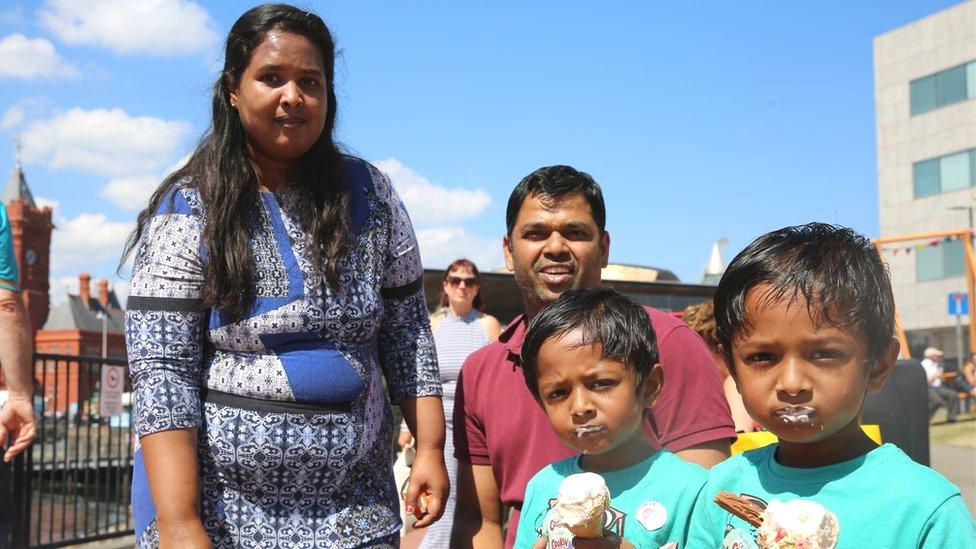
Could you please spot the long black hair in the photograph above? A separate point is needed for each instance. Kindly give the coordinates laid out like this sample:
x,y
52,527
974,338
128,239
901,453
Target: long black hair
x,y
221,171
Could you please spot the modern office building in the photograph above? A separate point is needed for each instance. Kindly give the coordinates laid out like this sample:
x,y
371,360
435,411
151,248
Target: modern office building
x,y
925,100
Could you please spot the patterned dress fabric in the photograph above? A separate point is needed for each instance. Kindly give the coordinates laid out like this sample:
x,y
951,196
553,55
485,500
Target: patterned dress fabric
x,y
456,338
294,423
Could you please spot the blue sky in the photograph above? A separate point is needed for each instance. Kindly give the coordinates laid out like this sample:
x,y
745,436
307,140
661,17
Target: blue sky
x,y
719,119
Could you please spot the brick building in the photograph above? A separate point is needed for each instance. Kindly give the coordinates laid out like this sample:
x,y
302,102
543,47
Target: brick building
x,y
86,324
31,228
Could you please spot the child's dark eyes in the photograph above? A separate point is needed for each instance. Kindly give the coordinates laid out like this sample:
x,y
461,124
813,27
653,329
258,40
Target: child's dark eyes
x,y
556,395
761,358
828,356
603,384
269,78
820,356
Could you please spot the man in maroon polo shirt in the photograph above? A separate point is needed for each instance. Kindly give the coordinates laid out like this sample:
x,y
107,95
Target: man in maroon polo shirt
x,y
556,241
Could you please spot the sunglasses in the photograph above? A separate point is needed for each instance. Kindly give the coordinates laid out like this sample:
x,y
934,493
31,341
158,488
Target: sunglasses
x,y
456,281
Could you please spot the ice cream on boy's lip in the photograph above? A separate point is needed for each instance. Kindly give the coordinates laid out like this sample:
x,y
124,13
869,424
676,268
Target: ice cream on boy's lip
x,y
795,414
586,430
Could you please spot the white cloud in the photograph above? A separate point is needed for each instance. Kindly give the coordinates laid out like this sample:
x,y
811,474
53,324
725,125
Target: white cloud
x,y
102,141
130,193
27,58
86,240
61,287
12,117
431,204
155,27
440,246
43,201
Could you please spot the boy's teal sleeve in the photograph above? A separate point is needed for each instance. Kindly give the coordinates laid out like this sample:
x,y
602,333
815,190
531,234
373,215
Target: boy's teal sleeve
x,y
701,532
9,278
526,534
951,525
685,529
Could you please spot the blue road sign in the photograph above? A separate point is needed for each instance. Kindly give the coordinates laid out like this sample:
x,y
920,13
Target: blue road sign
x,y
958,303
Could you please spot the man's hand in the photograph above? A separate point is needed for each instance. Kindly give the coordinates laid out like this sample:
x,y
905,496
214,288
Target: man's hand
x,y
17,420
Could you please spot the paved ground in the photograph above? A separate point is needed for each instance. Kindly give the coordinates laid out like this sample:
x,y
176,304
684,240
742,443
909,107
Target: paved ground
x,y
958,464
126,542
953,453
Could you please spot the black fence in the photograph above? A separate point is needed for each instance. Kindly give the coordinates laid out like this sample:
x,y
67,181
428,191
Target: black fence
x,y
72,485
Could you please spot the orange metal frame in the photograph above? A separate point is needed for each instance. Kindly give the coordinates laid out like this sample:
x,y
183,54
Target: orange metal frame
x,y
966,236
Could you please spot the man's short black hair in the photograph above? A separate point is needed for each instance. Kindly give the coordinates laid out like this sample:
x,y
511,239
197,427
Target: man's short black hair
x,y
604,317
554,183
835,270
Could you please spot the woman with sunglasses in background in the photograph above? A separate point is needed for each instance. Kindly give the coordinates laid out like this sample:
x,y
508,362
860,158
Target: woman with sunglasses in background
x,y
460,328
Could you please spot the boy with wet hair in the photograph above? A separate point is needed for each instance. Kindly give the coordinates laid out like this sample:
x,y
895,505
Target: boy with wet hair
x,y
590,359
805,321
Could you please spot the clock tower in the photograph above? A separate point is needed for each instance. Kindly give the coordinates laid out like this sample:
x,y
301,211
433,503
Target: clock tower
x,y
31,227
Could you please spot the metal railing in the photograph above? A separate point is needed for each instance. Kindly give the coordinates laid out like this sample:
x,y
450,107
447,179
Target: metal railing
x,y
72,485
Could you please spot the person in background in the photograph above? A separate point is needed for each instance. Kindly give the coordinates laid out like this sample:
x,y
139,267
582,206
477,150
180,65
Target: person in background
x,y
556,240
459,328
17,412
276,284
701,319
965,379
939,394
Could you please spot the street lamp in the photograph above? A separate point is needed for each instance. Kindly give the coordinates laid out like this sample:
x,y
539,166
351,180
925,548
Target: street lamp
x,y
959,344
104,317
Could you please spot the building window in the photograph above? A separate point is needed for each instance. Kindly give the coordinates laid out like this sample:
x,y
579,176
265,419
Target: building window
x,y
947,260
946,173
943,88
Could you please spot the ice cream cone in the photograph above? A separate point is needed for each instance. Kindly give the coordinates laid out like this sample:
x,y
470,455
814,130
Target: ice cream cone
x,y
582,503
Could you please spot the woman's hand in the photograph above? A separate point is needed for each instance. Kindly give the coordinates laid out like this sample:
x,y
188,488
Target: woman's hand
x,y
187,534
427,487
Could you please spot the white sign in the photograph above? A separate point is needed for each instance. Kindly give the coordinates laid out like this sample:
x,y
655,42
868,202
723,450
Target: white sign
x,y
110,396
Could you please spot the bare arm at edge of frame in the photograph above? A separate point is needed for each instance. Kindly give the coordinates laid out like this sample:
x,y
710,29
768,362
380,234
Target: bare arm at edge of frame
x,y
16,350
478,514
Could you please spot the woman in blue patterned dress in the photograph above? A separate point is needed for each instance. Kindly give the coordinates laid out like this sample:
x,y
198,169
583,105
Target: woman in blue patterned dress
x,y
276,284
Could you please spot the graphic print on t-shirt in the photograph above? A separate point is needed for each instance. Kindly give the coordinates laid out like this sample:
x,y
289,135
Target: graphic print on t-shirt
x,y
741,537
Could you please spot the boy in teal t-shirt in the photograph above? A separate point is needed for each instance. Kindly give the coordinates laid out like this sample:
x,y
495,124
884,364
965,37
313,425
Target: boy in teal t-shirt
x,y
805,317
591,361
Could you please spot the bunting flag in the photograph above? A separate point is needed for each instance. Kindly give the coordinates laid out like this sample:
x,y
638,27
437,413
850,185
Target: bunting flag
x,y
909,248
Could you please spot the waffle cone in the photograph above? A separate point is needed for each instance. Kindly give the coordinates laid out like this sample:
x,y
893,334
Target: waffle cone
x,y
592,528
